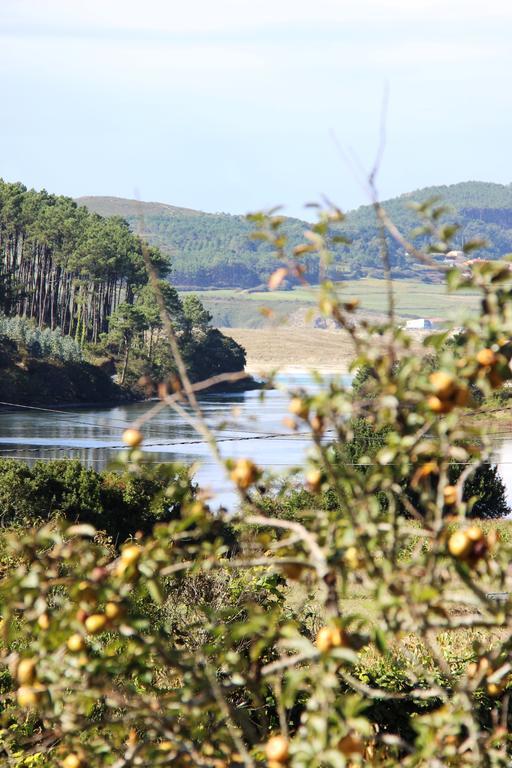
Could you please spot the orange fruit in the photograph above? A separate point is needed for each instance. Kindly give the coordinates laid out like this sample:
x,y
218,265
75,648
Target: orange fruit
x,y
132,437
439,406
459,544
443,384
330,637
485,357
299,407
244,473
450,495
277,749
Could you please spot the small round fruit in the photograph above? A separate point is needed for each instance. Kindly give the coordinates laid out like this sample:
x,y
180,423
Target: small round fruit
x,y
131,554
439,406
96,623
353,559
474,533
113,611
314,480
277,749
450,495
244,473
29,696
299,407
26,672
459,544
330,637
351,744
495,689
43,622
75,643
132,437
485,357
73,761
443,384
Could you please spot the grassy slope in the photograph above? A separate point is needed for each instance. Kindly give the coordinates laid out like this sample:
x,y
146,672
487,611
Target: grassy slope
x,y
240,309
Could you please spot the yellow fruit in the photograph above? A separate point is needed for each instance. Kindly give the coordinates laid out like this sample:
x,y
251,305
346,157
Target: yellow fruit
x,y
166,746
113,611
244,474
459,544
44,621
29,696
330,637
73,761
443,384
439,406
299,407
450,495
26,672
132,437
494,689
277,749
75,643
351,744
474,533
131,554
314,479
96,623
485,357
353,559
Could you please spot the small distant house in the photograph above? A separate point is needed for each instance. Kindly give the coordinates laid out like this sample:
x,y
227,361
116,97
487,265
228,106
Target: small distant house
x,y
419,323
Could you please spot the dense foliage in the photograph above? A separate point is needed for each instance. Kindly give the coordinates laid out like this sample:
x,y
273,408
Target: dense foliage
x,y
375,629
63,266
217,250
117,502
46,343
69,277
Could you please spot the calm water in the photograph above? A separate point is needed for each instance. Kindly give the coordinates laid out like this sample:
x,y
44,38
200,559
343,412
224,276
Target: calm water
x,y
245,424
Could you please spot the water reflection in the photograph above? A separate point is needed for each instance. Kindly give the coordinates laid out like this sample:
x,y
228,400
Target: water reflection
x,y
247,424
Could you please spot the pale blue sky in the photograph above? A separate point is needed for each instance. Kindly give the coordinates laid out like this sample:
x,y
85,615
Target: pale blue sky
x,y
231,105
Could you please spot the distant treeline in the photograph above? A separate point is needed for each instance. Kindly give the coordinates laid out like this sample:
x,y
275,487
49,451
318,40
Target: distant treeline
x,y
64,266
216,250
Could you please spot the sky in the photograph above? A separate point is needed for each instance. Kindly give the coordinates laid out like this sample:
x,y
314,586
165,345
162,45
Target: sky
x,y
239,105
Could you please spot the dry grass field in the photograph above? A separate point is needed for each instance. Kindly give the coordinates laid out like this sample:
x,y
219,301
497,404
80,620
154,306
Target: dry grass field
x,y
293,349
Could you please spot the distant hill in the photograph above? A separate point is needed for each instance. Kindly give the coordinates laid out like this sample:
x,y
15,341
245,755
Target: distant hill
x,y
215,249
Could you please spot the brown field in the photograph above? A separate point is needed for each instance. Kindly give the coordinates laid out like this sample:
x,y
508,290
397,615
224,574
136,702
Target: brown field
x,y
294,349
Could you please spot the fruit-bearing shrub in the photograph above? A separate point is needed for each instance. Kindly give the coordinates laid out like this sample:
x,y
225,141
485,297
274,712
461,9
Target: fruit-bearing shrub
x,y
355,615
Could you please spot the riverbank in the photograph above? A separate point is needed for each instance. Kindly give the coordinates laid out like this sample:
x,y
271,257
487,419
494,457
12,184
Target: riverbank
x,y
294,350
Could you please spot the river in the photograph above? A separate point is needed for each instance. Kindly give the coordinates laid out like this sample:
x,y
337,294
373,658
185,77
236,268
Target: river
x,y
246,424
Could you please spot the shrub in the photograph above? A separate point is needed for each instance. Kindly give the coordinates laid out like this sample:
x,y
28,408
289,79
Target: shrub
x,y
342,632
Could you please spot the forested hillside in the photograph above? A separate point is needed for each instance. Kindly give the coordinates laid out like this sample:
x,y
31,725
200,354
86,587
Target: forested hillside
x,y
216,250
74,287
